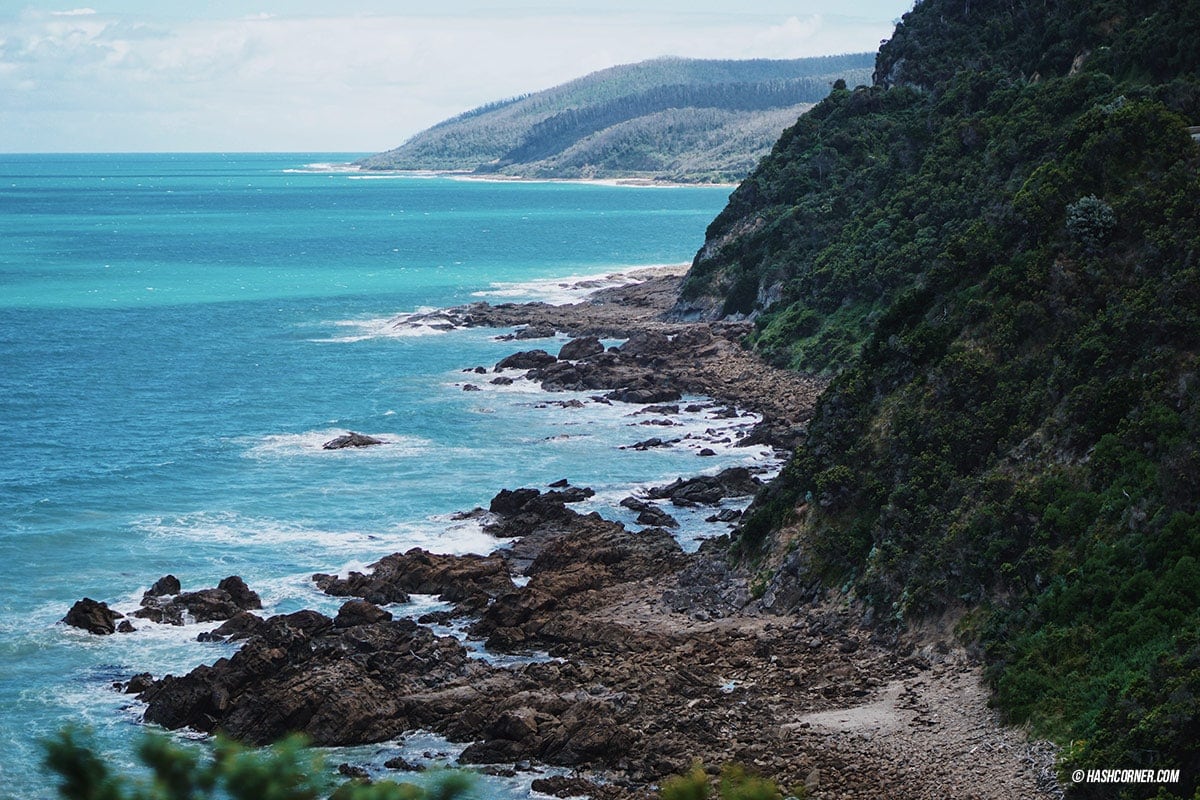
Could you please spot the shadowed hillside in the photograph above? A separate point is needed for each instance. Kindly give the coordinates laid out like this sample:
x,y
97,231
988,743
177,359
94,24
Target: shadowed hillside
x,y
993,250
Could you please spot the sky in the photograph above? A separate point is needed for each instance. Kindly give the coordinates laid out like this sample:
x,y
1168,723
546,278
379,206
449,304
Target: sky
x,y
353,75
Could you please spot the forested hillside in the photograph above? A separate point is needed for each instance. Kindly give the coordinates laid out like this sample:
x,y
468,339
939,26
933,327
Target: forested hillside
x,y
995,252
671,119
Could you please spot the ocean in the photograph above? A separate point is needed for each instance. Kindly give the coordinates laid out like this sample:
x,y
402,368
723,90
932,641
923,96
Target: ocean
x,y
180,333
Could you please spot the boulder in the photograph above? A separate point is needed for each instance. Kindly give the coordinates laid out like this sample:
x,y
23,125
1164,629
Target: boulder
x,y
509,502
708,489
655,516
644,395
230,597
240,626
646,344
472,579
360,612
167,584
93,617
582,347
535,332
527,359
240,593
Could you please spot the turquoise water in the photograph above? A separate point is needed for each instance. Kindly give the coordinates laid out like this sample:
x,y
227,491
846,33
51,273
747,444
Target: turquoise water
x,y
178,336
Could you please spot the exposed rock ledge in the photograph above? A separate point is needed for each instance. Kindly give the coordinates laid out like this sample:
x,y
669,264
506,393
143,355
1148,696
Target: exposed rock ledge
x,y
663,664
666,657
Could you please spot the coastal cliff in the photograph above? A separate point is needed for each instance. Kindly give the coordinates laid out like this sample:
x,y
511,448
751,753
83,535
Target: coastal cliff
x,y
991,251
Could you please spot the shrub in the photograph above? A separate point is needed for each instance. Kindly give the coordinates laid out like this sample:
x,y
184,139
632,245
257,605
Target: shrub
x,y
1090,220
287,770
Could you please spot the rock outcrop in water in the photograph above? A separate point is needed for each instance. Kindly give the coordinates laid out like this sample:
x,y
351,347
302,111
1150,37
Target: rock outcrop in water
x,y
365,677
230,597
93,617
351,439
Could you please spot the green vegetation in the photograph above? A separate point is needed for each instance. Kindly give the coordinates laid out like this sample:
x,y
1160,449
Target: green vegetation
x,y
995,251
671,118
286,771
735,784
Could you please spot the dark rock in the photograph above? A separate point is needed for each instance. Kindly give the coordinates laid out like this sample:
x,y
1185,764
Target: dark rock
x,y
571,494
535,332
518,725
125,626
636,504
229,598
660,394
564,786
437,617
480,370
725,515
528,359
164,613
652,515
561,483
708,489
240,593
239,626
659,410
354,773
468,578
510,502
360,612
93,617
580,348
403,765
301,674
208,605
707,451
139,683
470,387
167,584
502,380
561,376
643,344
351,439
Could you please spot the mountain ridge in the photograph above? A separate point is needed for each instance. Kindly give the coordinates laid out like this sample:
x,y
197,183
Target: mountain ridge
x,y
668,119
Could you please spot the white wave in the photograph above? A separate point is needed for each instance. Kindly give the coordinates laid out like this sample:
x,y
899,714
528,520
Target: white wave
x,y
572,288
379,329
323,167
395,176
311,443
425,321
228,528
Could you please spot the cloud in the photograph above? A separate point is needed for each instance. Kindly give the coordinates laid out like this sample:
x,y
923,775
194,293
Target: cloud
x,y
74,12
356,82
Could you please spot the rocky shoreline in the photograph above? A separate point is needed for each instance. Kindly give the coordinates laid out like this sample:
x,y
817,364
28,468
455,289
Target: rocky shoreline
x,y
655,657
